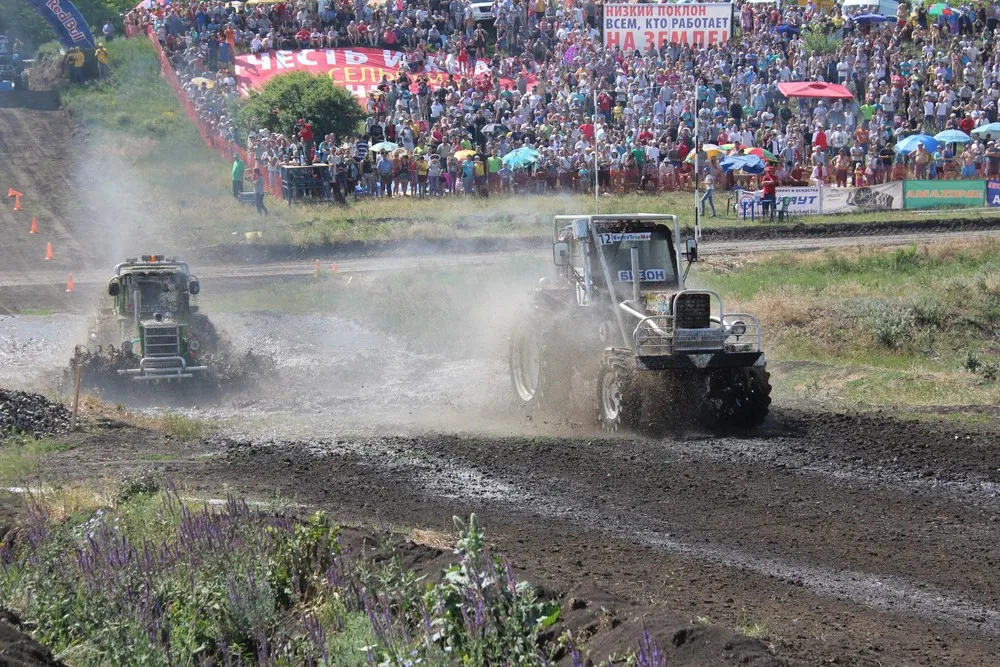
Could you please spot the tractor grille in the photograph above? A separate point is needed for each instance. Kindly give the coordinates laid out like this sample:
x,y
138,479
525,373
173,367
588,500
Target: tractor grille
x,y
693,311
161,340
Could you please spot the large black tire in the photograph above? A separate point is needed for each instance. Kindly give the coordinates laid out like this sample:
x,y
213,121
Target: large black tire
x,y
733,399
539,369
204,331
619,401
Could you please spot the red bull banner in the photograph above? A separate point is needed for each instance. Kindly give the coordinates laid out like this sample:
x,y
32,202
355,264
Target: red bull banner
x,y
635,27
360,70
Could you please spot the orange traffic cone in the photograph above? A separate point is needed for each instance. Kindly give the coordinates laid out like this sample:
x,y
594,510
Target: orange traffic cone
x,y
69,283
48,252
333,268
316,269
34,225
11,192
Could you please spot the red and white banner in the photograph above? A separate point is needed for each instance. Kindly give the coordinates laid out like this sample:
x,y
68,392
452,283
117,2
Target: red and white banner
x,y
360,70
635,27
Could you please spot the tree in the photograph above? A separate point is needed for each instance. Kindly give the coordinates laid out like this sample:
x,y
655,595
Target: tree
x,y
287,97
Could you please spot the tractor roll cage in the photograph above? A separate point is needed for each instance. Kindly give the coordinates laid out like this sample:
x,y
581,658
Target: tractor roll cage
x,y
158,267
582,227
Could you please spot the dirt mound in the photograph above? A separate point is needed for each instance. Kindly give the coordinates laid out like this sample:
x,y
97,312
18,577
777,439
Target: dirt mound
x,y
33,414
18,649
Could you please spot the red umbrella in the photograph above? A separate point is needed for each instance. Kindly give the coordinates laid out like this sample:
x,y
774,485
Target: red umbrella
x,y
762,154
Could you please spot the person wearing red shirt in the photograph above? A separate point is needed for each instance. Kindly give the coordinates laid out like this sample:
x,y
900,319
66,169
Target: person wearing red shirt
x,y
819,138
770,186
966,124
302,37
306,135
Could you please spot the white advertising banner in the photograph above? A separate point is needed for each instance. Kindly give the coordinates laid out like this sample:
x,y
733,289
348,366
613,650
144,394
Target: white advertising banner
x,y
884,197
635,27
801,201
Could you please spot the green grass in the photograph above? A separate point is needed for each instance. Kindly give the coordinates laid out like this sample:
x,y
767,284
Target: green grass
x,y
36,312
184,428
21,457
754,628
877,327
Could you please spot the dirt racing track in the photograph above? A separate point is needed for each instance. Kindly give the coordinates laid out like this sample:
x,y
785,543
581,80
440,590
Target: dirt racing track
x,y
837,538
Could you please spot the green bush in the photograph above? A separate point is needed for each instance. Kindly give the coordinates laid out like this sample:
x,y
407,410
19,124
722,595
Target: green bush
x,y
286,98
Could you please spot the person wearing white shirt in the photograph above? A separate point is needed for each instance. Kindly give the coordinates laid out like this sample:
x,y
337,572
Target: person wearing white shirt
x,y
652,152
838,138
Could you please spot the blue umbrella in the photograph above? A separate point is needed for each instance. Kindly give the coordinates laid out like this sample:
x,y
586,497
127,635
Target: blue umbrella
x,y
750,164
521,157
986,131
870,18
910,143
785,29
953,137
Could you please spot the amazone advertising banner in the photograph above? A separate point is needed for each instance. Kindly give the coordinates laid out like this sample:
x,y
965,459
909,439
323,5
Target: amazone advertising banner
x,y
993,193
871,198
930,194
635,27
359,70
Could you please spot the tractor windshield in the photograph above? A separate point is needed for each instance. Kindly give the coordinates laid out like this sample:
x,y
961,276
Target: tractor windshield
x,y
156,294
657,262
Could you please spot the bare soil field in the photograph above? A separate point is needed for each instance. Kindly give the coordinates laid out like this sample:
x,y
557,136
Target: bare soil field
x,y
835,538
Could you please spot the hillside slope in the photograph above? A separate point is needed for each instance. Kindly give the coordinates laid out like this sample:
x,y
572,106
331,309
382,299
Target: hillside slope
x,y
39,156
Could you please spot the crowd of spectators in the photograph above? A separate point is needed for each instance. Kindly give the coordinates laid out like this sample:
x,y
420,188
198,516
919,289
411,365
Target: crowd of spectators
x,y
570,97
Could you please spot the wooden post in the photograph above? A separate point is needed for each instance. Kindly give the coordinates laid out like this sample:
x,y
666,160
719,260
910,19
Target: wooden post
x,y
76,397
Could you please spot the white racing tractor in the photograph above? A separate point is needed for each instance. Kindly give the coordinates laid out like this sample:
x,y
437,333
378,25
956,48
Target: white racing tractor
x,y
619,318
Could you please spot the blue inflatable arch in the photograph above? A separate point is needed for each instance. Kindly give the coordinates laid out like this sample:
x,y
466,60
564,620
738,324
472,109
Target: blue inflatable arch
x,y
67,21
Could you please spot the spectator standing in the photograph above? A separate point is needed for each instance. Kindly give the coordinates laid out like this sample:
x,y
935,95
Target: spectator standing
x,y
306,135
709,182
76,59
258,191
103,69
770,186
238,169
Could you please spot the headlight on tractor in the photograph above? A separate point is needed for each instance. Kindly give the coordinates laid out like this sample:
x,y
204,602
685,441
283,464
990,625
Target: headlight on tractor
x,y
738,328
127,346
194,345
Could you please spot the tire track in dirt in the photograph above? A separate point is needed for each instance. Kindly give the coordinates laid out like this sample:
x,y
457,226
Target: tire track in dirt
x,y
905,569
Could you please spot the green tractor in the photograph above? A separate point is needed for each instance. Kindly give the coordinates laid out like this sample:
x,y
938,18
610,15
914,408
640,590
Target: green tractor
x,y
161,334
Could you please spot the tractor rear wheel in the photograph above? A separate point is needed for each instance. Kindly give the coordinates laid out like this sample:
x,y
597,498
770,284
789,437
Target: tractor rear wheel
x,y
619,400
738,398
539,372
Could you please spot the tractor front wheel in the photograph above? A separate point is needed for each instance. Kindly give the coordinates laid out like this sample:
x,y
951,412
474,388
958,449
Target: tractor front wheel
x,y
729,399
619,402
